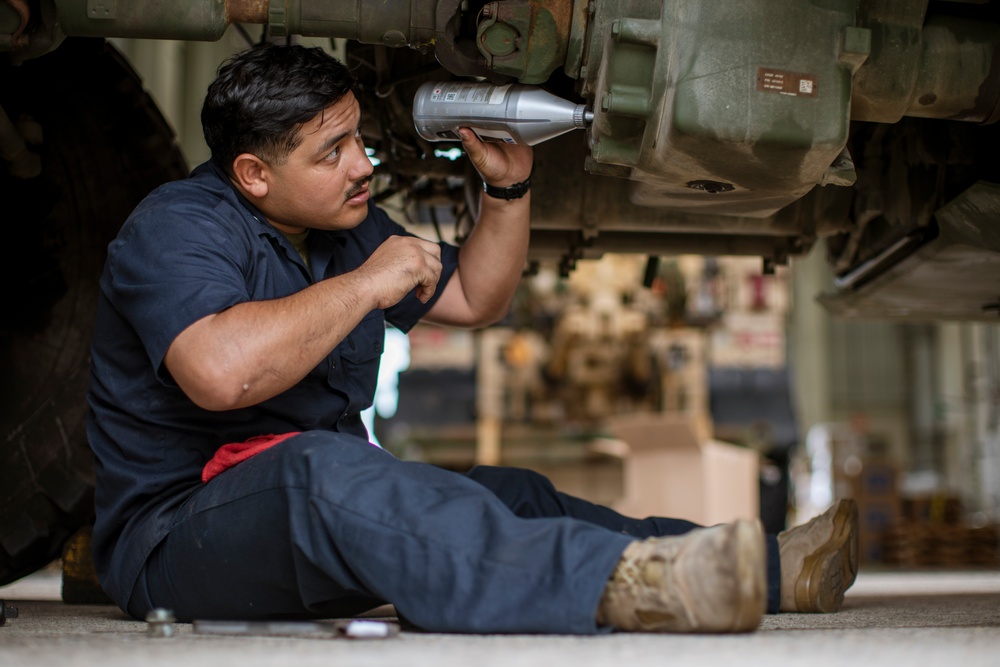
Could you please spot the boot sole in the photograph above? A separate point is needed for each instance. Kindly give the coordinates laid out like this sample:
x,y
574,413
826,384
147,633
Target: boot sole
x,y
751,557
829,571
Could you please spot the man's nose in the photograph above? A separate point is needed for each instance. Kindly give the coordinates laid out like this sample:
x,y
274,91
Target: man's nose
x,y
363,167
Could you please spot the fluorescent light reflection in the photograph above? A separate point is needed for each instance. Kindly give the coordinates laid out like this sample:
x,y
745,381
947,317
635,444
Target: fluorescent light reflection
x,y
452,153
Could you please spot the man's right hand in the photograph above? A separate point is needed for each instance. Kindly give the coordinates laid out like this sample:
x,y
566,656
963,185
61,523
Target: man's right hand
x,y
401,264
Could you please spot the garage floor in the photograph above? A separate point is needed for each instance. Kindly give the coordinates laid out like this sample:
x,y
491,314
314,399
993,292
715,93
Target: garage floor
x,y
890,619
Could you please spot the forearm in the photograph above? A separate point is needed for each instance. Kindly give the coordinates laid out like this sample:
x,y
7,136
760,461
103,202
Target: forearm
x,y
492,259
253,351
256,350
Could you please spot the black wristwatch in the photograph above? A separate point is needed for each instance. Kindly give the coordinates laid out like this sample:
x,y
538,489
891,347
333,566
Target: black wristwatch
x,y
510,192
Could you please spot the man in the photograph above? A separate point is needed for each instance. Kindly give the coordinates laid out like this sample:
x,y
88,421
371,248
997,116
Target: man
x,y
241,320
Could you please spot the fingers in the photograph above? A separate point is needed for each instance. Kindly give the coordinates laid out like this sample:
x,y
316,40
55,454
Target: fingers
x,y
427,285
474,148
424,293
498,163
402,264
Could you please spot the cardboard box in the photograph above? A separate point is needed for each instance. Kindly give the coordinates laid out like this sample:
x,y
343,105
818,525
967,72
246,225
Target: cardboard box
x,y
673,469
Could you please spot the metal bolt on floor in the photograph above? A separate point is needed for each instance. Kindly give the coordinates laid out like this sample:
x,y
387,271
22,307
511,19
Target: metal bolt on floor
x,y
160,623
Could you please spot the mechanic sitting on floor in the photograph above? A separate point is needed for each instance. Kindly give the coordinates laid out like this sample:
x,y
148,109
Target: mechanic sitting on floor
x,y
241,319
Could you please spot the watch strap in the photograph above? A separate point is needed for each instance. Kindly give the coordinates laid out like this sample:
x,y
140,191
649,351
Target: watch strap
x,y
510,192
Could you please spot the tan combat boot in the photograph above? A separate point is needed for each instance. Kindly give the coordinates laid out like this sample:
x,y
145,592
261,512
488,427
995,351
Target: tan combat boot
x,y
819,560
708,580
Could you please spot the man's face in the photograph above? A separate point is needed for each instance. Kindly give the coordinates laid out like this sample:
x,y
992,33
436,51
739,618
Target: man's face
x,y
323,183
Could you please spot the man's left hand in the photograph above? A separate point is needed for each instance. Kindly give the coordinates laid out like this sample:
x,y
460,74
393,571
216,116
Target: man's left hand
x,y
500,164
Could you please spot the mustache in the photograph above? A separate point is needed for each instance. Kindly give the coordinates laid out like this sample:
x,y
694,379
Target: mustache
x,y
358,187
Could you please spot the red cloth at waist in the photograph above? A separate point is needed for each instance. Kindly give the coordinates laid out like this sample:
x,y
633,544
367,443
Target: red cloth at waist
x,y
229,455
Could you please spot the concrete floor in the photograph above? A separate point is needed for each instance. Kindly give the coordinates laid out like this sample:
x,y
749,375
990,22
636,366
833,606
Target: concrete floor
x,y
890,619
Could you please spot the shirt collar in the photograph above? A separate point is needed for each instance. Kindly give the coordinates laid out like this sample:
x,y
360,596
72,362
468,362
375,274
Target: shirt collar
x,y
211,166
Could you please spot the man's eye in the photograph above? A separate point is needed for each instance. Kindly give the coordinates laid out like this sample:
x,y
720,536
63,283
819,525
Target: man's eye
x,y
334,154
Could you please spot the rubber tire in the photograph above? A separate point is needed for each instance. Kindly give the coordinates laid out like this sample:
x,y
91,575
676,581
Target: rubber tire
x,y
104,146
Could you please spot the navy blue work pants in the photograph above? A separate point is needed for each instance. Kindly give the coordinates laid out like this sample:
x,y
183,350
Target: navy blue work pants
x,y
327,525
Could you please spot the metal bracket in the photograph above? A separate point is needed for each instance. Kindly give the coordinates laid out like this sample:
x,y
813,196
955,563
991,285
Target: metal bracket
x,y
276,18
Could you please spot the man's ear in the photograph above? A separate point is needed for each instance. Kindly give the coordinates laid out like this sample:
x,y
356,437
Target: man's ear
x,y
250,173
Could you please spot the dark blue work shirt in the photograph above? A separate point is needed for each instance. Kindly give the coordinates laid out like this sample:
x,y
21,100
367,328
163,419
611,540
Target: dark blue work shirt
x,y
190,249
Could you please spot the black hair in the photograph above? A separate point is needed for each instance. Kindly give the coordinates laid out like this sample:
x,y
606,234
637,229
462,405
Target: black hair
x,y
262,96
